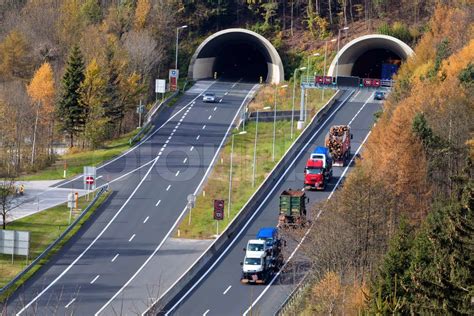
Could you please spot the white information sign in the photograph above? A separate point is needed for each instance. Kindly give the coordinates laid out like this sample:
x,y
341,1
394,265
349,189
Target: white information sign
x,y
160,86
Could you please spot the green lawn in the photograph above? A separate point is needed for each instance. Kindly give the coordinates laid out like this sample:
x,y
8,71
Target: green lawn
x,y
75,161
44,228
217,187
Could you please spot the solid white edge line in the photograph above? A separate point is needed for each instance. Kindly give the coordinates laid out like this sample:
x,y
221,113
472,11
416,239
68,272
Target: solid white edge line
x,y
309,229
253,215
142,141
69,267
224,138
70,302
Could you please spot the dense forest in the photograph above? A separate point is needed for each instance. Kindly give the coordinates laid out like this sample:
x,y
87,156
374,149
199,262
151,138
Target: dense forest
x,y
400,230
398,238
73,71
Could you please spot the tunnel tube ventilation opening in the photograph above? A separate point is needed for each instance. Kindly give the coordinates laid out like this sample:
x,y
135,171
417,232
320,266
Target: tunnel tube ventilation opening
x,y
369,64
240,60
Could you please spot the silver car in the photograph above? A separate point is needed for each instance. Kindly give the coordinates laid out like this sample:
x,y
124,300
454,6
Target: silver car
x,y
209,97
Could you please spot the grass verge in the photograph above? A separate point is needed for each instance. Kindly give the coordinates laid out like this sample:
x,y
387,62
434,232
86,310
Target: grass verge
x,y
44,228
76,161
217,186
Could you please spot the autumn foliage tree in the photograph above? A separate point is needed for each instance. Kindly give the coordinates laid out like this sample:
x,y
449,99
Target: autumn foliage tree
x,y
41,91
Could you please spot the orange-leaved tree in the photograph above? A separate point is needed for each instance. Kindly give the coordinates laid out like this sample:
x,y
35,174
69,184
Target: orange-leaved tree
x,y
41,91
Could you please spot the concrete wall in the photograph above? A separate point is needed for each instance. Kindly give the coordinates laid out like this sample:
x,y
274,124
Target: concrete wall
x,y
200,67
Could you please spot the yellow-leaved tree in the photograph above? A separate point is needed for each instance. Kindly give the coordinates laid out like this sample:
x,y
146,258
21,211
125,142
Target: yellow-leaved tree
x,y
141,14
41,91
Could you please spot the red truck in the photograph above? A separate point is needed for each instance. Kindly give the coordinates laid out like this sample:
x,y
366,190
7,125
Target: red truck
x,y
338,140
315,175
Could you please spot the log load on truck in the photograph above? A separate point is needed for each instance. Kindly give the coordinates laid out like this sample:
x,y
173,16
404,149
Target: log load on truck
x,y
292,208
263,257
338,140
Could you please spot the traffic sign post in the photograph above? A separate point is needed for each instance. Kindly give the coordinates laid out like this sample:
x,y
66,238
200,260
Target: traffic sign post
x,y
173,79
218,213
89,179
191,201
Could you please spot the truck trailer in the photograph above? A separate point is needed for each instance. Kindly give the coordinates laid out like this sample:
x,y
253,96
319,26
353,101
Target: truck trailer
x,y
292,208
338,141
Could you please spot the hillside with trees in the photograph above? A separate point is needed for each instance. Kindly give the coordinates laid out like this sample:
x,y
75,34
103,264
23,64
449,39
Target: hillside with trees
x,y
73,71
401,230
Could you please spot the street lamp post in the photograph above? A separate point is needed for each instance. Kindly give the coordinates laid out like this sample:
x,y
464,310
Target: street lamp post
x,y
274,120
337,55
177,42
325,58
230,172
254,165
293,101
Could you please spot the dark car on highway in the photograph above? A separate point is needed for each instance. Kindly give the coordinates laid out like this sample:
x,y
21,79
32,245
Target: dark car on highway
x,y
379,95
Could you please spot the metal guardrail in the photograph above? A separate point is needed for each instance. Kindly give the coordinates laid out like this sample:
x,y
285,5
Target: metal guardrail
x,y
295,295
54,243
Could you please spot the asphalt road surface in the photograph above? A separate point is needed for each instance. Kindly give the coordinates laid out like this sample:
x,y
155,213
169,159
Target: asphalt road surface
x,y
150,184
219,291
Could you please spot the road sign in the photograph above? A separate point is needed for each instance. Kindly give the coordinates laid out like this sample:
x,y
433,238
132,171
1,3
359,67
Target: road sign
x,y
160,86
90,180
191,199
218,210
173,78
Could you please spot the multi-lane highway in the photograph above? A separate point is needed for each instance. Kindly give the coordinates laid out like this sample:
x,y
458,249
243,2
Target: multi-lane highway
x,y
150,183
218,290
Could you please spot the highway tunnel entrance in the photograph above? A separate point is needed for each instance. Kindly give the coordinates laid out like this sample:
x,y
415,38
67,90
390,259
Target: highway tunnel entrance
x,y
235,54
371,56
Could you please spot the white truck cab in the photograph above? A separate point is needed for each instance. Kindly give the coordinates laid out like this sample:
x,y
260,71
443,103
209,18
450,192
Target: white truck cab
x,y
254,264
255,248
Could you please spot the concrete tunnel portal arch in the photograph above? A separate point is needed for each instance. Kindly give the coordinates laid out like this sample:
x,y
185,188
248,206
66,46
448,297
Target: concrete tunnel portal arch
x,y
363,57
237,54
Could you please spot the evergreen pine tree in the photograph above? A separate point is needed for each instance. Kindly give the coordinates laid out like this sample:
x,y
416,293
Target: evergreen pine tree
x,y
71,114
114,112
390,289
443,259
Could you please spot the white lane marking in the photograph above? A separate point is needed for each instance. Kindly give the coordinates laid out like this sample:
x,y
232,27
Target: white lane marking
x,y
140,143
228,92
173,227
191,149
167,141
220,101
70,302
257,211
98,177
205,313
355,96
197,137
69,267
172,134
162,148
182,118
210,116
215,108
227,290
178,124
309,229
131,238
95,279
168,188
114,258
177,173
158,203
185,159
204,126
363,106
146,219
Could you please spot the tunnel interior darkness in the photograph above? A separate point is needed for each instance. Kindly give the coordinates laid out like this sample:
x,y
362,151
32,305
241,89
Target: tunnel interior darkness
x,y
240,60
237,55
369,64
